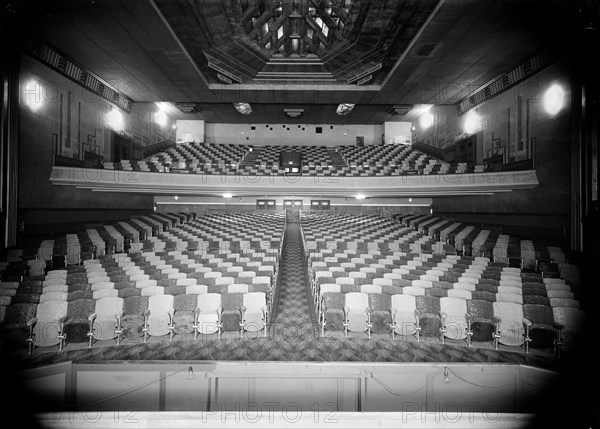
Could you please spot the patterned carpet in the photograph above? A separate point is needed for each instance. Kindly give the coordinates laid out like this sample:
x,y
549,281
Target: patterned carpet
x,y
293,335
292,315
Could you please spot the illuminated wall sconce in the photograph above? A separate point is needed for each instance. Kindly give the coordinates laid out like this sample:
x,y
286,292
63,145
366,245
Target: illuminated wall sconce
x,y
161,118
114,119
554,99
472,122
426,120
32,95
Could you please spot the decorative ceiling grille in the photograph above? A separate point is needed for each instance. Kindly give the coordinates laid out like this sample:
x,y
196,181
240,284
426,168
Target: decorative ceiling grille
x,y
298,27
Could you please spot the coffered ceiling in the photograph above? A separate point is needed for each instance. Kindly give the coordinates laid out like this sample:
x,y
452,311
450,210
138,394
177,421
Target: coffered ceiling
x,y
299,54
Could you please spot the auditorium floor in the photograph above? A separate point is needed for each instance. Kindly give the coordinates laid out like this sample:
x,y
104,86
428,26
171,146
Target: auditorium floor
x,y
293,335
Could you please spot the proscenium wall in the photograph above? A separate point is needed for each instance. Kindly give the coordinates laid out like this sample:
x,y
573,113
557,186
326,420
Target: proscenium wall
x,y
293,134
72,119
545,210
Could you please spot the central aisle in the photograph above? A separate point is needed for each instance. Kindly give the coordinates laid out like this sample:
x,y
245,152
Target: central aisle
x,y
293,314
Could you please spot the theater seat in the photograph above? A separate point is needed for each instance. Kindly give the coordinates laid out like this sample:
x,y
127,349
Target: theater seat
x,y
357,313
161,315
540,327
209,314
404,321
381,316
184,307
428,313
47,328
510,315
134,308
480,318
331,314
78,325
255,312
454,324
107,312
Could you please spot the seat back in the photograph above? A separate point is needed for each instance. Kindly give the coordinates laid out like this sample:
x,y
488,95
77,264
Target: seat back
x,y
196,289
47,326
403,312
357,301
413,290
460,293
209,302
161,311
376,289
108,308
237,288
481,310
77,325
185,302
357,307
329,287
255,301
572,318
333,300
454,310
511,322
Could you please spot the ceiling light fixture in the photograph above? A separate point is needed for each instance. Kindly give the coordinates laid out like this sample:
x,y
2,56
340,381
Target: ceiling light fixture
x,y
243,108
293,113
345,109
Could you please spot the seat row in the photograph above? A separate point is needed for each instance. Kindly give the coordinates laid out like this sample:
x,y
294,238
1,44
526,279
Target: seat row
x,y
229,269
502,248
355,161
452,318
107,239
86,320
393,264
